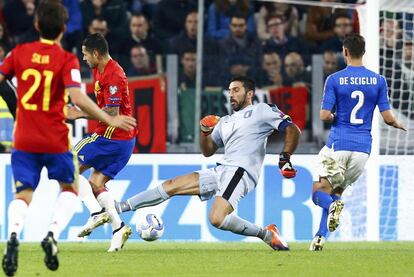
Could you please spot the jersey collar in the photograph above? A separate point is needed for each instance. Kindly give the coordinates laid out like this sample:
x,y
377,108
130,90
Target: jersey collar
x,y
47,41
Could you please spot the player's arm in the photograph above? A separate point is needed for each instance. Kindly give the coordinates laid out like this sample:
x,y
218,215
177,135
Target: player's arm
x,y
328,101
390,119
292,134
91,109
326,116
207,144
384,106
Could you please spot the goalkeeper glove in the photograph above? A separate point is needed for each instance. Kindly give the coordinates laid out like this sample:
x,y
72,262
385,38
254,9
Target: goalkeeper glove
x,y
286,168
207,124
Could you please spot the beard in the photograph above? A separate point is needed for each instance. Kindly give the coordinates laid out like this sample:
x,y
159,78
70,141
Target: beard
x,y
237,106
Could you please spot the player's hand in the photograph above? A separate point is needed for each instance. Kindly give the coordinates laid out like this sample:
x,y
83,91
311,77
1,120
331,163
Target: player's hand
x,y
398,125
123,122
74,113
207,124
286,168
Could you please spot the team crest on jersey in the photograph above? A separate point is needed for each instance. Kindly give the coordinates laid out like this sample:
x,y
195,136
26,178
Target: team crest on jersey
x,y
113,89
97,87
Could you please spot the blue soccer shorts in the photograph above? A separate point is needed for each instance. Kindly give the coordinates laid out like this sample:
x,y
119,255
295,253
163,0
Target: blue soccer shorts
x,y
105,155
27,166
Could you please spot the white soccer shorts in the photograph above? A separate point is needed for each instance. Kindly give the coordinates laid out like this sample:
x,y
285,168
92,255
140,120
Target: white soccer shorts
x,y
341,168
230,182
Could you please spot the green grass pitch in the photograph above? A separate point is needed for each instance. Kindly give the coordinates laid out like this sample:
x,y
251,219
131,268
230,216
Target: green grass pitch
x,y
222,259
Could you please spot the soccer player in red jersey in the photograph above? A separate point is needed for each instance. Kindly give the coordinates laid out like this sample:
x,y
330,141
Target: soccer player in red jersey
x,y
46,74
108,150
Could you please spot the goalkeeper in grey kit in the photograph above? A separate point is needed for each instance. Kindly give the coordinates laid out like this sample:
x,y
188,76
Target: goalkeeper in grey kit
x,y
244,136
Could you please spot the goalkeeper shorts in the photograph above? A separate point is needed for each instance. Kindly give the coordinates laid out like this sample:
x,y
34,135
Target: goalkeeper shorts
x,y
230,182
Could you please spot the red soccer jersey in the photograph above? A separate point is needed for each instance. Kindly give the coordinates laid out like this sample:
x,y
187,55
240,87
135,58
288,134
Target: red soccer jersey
x,y
111,89
43,71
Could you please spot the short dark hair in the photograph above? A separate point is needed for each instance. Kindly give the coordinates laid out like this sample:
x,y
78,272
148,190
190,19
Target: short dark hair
x,y
248,83
51,17
355,44
96,42
238,14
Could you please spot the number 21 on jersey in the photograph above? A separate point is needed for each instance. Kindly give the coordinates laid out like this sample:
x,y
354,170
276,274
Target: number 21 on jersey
x,y
37,79
360,95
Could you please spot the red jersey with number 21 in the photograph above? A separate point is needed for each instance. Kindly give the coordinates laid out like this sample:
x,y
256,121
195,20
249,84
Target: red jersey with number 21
x,y
43,71
111,90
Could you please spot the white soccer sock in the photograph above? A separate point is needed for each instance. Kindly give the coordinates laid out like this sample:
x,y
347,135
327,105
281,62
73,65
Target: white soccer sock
x,y
87,196
148,198
239,226
17,216
63,212
106,200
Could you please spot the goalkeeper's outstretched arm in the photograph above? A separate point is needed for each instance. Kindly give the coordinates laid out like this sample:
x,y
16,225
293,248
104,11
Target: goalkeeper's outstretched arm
x,y
390,119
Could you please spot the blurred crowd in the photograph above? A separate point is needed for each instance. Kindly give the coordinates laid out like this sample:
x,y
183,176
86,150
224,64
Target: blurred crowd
x,y
272,42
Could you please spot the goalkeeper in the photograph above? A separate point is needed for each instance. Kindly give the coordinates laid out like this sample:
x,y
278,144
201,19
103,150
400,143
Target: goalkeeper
x,y
354,92
243,135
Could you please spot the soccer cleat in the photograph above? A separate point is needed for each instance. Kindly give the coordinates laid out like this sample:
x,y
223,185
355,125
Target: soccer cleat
x,y
50,248
335,210
317,243
276,241
94,222
9,262
119,237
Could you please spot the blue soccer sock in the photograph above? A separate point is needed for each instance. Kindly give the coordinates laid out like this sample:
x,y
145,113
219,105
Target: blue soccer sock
x,y
323,228
322,199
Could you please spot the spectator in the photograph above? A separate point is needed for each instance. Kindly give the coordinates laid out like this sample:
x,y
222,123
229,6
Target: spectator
x,y
271,73
187,76
140,34
319,24
295,74
4,38
279,41
170,16
73,35
3,52
113,12
289,12
187,39
330,63
342,27
220,13
240,44
237,66
140,62
18,15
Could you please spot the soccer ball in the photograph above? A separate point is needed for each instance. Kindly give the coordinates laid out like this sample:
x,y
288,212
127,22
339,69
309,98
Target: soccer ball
x,y
150,228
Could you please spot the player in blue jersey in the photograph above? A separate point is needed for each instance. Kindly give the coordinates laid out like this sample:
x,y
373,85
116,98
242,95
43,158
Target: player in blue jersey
x,y
354,93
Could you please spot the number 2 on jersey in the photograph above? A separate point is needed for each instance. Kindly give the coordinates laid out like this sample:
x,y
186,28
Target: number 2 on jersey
x,y
360,95
30,72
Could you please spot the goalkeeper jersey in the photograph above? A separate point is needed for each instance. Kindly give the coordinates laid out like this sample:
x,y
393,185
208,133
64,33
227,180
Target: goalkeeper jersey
x,y
244,136
354,92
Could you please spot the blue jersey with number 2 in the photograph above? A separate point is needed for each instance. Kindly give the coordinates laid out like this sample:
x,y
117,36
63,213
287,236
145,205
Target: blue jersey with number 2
x,y
354,92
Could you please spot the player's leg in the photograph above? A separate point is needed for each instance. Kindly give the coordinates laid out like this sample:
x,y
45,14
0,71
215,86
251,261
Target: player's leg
x,y
63,168
234,185
183,185
26,171
91,152
321,196
98,215
16,218
120,231
331,174
354,164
